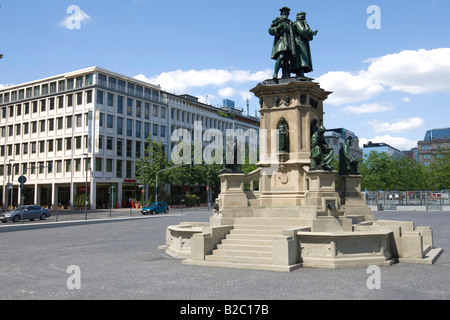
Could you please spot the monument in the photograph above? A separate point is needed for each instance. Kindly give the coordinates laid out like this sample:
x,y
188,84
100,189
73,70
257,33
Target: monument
x,y
297,217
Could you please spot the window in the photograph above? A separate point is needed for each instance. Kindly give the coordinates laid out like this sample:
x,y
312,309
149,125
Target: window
x,y
109,143
49,166
98,164
41,146
129,148
78,121
119,147
129,127
155,111
147,111
58,165
59,144
69,100
68,164
163,112
59,123
118,168
78,142
79,98
34,127
109,121
77,165
51,125
129,165
33,147
100,97
109,165
119,104
138,149
110,99
138,108
129,107
155,130
119,125
138,129
89,96
69,122
163,131
50,145
68,143
25,148
42,125
70,84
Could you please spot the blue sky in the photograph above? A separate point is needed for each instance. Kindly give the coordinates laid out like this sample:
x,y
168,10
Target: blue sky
x,y
389,84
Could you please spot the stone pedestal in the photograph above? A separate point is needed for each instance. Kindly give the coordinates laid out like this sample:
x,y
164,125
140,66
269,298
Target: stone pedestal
x,y
351,197
296,104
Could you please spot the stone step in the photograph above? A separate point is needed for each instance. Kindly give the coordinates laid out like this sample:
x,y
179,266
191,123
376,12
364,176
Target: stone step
x,y
272,221
233,236
243,247
252,242
242,253
238,259
256,231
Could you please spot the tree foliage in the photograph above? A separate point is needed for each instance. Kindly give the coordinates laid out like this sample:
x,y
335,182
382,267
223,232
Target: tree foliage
x,y
383,172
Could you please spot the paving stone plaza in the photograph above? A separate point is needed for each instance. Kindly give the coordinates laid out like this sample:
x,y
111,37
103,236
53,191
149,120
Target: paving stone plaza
x,y
119,259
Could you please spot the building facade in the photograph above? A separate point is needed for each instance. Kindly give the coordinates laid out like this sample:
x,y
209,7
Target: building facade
x,y
434,140
381,147
336,137
79,134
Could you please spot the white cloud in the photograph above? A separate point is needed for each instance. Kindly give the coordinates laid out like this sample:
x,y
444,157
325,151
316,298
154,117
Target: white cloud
x,y
406,99
412,71
367,108
397,142
75,19
399,126
348,88
226,92
181,80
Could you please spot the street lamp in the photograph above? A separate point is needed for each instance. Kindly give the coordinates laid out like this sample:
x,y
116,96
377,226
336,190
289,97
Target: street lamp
x,y
85,185
1,56
12,182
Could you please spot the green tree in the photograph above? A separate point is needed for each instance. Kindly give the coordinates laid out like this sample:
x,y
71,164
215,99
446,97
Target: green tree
x,y
376,171
154,160
440,170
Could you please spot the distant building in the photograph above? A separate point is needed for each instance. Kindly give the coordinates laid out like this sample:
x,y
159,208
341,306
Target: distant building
x,y
381,147
336,137
412,154
433,140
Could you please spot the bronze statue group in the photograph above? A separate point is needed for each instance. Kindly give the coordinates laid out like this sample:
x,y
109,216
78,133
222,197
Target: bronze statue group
x,y
291,49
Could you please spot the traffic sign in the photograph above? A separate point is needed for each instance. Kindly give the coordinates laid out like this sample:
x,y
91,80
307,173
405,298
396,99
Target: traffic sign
x,y
22,179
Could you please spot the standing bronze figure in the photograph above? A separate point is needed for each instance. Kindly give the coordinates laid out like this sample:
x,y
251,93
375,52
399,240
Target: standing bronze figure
x,y
291,50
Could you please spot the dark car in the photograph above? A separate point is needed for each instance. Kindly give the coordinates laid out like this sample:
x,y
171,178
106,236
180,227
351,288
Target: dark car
x,y
155,207
25,213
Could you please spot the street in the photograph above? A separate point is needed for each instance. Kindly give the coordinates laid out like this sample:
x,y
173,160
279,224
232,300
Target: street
x,y
118,259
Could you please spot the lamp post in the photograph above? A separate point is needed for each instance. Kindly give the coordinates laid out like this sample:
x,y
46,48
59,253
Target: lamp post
x,y
85,185
10,186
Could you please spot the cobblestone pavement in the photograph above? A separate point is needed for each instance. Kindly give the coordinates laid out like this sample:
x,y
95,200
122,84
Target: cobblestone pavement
x,y
119,259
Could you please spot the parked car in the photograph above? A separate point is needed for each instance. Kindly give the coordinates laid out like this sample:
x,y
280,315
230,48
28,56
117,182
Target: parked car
x,y
25,213
155,207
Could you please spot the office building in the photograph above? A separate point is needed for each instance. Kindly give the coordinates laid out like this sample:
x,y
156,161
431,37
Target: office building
x,y
434,140
82,132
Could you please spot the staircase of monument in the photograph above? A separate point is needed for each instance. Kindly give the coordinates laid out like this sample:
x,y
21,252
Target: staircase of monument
x,y
250,242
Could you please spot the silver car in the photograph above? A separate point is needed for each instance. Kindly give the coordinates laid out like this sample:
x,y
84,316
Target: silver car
x,y
25,213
